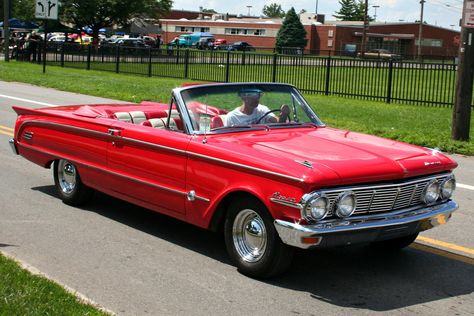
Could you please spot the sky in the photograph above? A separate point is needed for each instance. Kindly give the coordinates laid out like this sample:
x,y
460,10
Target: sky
x,y
445,13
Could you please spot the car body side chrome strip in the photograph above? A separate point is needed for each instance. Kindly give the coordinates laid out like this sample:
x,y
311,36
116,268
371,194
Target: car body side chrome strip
x,y
183,193
235,164
286,203
179,151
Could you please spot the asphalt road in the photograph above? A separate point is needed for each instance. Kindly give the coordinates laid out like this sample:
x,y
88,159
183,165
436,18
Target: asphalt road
x,y
136,262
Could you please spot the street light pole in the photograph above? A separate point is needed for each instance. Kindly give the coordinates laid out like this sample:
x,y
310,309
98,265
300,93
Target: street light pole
x,y
364,31
375,14
6,29
464,77
420,30
249,6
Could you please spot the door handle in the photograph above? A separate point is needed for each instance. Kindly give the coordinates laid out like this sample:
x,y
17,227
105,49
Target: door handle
x,y
114,132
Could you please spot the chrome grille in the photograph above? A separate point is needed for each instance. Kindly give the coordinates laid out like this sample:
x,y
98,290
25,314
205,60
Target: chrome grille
x,y
385,197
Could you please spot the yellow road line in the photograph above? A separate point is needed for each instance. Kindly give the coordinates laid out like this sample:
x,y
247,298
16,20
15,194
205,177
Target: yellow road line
x,y
443,253
6,128
447,245
6,133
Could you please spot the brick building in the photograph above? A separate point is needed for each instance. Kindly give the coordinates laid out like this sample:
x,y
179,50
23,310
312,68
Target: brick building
x,y
324,38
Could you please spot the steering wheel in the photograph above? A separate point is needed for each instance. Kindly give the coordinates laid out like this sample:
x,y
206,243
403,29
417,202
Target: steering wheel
x,y
266,114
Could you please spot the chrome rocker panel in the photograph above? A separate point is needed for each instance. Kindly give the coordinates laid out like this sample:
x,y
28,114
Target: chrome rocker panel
x,y
369,228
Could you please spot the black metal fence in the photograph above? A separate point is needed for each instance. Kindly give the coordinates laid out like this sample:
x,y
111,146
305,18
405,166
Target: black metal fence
x,y
427,84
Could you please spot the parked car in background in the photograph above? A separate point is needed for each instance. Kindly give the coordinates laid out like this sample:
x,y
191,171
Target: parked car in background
x,y
220,42
271,182
380,53
241,46
130,42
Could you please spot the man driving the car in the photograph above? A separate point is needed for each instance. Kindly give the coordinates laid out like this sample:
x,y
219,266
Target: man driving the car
x,y
252,112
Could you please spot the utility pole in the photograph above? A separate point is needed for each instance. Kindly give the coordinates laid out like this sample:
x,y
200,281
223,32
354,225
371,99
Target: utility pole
x,y
6,29
464,78
364,31
420,30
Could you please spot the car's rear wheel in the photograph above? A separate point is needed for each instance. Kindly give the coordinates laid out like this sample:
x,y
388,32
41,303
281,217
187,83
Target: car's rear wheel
x,y
395,244
252,241
68,183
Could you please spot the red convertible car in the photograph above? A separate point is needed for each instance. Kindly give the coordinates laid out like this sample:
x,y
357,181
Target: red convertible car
x,y
252,160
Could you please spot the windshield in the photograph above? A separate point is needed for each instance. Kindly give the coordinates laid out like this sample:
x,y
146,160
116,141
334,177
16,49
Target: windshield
x,y
230,107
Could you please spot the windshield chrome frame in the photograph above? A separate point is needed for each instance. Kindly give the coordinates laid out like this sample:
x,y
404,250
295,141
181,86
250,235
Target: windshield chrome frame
x,y
177,95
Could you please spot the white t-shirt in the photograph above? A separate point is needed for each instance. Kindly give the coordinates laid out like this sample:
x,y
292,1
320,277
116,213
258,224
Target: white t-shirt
x,y
236,117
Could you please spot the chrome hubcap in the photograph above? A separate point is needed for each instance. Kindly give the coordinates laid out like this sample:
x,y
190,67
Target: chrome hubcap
x,y
249,235
67,176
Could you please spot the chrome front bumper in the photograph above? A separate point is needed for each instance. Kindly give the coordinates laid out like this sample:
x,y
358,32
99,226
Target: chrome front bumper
x,y
362,229
13,146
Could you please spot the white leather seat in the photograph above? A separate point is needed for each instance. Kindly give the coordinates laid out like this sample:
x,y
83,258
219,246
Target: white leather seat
x,y
123,116
138,117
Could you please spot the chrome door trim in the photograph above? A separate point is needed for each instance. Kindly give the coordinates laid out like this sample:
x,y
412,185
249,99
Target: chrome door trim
x,y
179,151
235,164
183,193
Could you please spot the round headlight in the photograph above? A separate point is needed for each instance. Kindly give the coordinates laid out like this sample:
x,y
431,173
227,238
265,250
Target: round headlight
x,y
431,192
447,187
317,208
346,204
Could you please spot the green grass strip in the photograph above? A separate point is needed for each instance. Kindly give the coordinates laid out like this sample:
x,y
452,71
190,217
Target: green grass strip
x,y
424,126
22,293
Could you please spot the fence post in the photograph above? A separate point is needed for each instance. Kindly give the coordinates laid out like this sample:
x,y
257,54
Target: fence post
x,y
117,59
227,67
149,62
186,63
89,57
390,80
62,54
389,83
243,57
274,72
328,74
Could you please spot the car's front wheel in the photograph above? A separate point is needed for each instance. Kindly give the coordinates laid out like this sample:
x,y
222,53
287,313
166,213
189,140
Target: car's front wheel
x,y
68,183
252,241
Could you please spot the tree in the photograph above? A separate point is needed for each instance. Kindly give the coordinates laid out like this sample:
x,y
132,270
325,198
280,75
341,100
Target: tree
x,y
291,33
20,9
360,12
97,14
273,10
352,10
347,10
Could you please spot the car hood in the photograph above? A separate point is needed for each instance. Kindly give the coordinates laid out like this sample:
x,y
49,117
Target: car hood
x,y
328,156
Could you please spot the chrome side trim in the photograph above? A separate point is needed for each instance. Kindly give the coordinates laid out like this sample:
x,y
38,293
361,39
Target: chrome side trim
x,y
235,164
105,133
290,204
183,193
428,217
67,127
13,146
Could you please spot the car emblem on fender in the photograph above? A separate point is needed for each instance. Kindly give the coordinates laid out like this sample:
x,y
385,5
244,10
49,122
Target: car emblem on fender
x,y
305,163
427,163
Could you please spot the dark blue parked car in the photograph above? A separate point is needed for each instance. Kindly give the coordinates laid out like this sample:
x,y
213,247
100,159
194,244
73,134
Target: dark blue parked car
x,y
242,46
